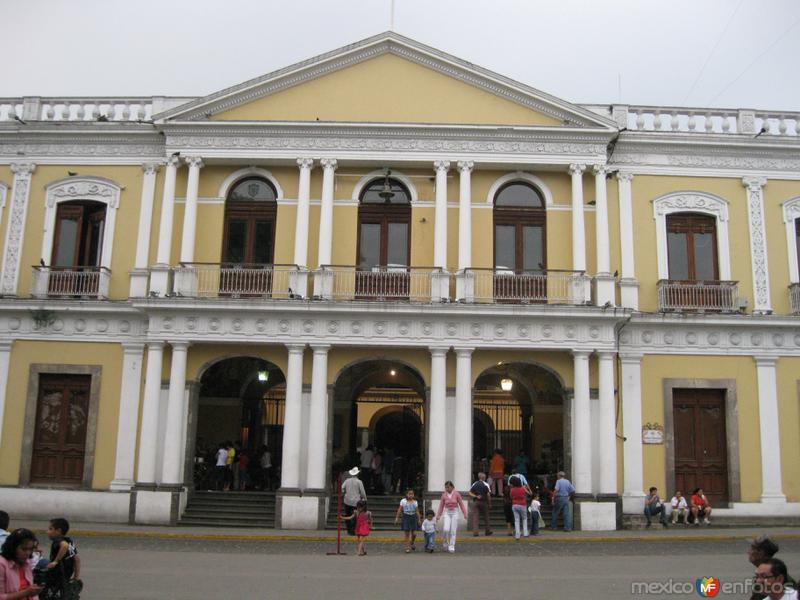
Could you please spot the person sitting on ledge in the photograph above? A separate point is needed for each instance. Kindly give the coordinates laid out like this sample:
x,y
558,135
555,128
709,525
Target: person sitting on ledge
x,y
701,509
679,508
653,506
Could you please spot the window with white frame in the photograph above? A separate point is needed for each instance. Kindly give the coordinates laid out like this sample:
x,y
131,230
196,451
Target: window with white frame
x,y
791,217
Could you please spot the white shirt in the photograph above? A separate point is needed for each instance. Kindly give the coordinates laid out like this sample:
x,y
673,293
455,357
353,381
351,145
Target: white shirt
x,y
266,460
676,504
429,526
222,457
790,595
366,459
535,506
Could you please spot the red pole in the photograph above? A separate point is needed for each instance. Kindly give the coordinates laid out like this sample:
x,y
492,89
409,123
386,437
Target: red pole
x,y
338,517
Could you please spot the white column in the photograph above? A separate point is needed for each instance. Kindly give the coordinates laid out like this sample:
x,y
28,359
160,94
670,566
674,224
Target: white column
x,y
318,420
139,274
629,287
173,433
632,464
440,215
292,420
581,433
578,229
15,231
326,211
5,359
769,424
148,434
128,420
159,273
604,280
301,224
462,443
606,426
195,163
758,243
465,214
437,426
167,210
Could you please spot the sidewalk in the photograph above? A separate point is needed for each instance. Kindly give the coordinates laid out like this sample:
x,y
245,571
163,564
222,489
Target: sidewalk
x,y
656,534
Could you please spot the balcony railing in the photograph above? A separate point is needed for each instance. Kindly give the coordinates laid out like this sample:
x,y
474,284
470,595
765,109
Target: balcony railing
x,y
794,298
77,109
70,282
412,284
551,286
717,296
229,280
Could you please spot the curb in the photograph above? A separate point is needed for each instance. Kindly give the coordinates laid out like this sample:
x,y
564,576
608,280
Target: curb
x,y
722,537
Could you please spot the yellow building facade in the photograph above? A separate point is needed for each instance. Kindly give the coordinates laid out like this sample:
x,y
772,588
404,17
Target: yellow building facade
x,y
388,246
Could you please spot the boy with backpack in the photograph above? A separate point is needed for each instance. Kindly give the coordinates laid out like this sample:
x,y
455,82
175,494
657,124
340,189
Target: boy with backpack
x,y
64,569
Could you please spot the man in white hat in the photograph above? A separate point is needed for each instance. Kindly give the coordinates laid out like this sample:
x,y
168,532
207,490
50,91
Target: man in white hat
x,y
354,492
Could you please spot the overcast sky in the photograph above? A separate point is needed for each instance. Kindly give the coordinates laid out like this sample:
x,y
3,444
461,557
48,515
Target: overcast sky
x,y
720,53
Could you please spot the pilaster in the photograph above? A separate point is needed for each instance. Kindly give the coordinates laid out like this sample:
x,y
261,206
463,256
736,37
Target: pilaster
x,y
128,420
758,243
15,232
140,274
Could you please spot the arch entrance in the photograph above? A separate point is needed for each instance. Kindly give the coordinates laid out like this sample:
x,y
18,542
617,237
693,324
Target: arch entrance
x,y
518,408
379,409
241,401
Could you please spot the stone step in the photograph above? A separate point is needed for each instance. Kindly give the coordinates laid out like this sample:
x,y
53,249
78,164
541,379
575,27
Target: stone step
x,y
230,509
223,523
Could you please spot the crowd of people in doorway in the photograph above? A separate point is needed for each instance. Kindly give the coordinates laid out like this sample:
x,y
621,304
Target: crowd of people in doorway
x,y
235,468
697,510
384,471
27,572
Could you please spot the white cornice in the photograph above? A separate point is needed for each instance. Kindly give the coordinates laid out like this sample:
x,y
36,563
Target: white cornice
x,y
387,43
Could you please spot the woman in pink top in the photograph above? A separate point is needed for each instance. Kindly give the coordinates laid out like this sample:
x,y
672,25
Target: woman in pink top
x,y
16,577
449,504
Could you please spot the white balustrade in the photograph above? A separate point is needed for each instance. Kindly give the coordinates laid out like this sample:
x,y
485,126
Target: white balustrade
x,y
718,296
528,287
794,297
76,109
711,121
70,282
214,280
412,284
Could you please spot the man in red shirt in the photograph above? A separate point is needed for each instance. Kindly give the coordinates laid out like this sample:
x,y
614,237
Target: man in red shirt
x,y
700,507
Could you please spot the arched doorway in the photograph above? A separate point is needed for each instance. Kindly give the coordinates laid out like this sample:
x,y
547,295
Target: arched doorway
x,y
241,400
519,408
379,405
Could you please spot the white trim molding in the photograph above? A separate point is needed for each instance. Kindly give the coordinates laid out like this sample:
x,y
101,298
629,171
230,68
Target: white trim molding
x,y
96,189
231,179
758,243
697,202
379,173
3,192
791,212
15,230
521,176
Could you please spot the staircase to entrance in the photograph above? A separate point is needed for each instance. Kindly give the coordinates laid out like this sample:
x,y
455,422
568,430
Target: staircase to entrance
x,y
230,509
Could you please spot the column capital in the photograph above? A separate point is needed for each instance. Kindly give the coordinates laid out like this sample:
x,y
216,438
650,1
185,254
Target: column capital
x,y
155,346
132,348
633,358
173,161
182,346
151,168
296,348
320,348
600,170
5,346
23,169
624,176
305,163
581,354
766,361
194,162
576,169
463,351
329,163
754,184
439,350
605,355
441,165
465,166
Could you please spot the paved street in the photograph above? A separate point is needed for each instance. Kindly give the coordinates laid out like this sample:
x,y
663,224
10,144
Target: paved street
x,y
153,567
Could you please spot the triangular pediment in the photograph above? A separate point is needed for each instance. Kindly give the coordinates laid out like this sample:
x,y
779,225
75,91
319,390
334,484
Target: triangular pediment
x,y
386,79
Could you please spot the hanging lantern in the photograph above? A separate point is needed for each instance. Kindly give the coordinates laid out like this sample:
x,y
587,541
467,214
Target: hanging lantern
x,y
506,384
386,193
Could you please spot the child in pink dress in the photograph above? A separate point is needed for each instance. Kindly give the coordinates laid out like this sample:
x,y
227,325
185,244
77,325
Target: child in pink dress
x,y
363,519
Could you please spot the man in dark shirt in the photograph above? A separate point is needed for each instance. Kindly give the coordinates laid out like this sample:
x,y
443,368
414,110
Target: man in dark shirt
x,y
480,492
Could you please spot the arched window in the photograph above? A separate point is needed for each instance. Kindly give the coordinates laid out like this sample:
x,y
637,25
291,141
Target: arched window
x,y
519,228
384,225
250,211
692,247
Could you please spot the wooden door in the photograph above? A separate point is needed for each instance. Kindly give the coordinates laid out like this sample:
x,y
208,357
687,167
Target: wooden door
x,y
59,443
701,447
